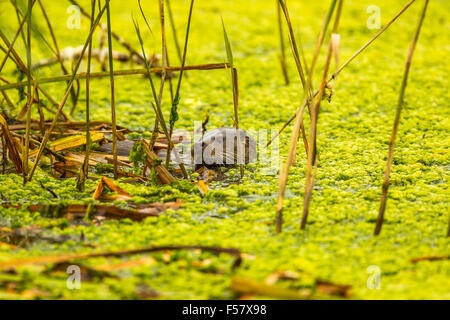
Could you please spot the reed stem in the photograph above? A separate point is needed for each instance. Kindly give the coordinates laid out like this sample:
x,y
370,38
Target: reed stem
x,y
282,45
85,167
401,102
18,61
156,105
117,73
29,97
5,58
312,158
113,98
284,172
118,38
346,63
293,43
61,105
57,52
176,100
174,30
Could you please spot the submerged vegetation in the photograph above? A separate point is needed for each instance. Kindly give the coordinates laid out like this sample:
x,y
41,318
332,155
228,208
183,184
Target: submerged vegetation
x,y
97,172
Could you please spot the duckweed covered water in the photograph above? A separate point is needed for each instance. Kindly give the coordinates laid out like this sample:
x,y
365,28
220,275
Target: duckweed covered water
x,y
353,136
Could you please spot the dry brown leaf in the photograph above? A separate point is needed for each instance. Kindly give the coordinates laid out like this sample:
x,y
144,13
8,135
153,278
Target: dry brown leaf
x,y
202,186
247,256
126,264
11,246
333,289
74,141
166,256
111,185
251,287
34,293
203,263
285,275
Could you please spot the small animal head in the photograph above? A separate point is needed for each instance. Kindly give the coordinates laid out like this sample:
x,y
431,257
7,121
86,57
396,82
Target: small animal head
x,y
224,147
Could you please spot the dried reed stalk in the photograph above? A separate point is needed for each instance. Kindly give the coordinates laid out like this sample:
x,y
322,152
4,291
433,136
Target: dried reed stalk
x,y
113,96
293,144
356,54
117,73
85,167
60,107
282,45
312,159
174,110
401,102
30,95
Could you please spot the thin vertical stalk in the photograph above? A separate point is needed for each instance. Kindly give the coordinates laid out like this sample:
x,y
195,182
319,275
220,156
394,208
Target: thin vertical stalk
x,y
111,82
299,120
4,156
176,99
34,29
118,38
234,84
156,105
155,133
57,52
174,30
61,105
30,96
354,56
85,167
282,46
2,64
14,3
18,61
312,159
163,50
448,230
296,55
293,43
41,113
163,66
401,102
